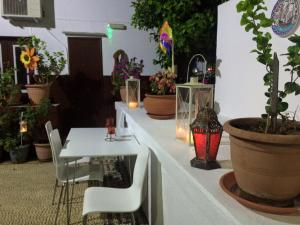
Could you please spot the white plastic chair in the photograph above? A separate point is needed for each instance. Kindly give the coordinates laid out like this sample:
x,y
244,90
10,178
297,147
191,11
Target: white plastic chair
x,y
78,173
49,128
112,200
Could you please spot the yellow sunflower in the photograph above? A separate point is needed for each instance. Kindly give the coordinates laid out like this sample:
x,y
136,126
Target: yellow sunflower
x,y
29,59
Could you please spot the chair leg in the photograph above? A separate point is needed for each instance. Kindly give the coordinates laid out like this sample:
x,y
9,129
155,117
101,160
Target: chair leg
x,y
73,184
84,220
58,204
133,218
54,191
64,198
71,200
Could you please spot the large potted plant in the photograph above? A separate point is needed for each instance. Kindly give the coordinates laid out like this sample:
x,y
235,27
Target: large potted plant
x,y
36,118
161,102
265,152
11,140
36,58
123,69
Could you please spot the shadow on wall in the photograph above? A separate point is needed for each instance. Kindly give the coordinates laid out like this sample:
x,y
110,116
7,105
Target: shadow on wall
x,y
218,63
47,20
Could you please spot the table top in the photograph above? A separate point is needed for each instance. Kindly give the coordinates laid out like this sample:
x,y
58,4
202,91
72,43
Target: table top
x,y
90,142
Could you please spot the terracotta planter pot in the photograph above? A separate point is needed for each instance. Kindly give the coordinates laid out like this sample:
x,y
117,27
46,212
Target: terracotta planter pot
x,y
265,165
123,93
43,152
37,92
160,106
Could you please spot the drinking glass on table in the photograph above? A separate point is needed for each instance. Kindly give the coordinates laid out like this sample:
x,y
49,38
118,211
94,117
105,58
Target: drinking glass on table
x,y
110,129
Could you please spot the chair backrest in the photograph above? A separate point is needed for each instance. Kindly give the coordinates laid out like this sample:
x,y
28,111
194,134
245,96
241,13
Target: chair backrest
x,y
49,128
56,146
139,172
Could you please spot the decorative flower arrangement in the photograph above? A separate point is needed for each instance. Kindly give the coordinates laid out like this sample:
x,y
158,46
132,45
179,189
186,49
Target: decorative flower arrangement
x,y
163,83
29,59
124,68
35,56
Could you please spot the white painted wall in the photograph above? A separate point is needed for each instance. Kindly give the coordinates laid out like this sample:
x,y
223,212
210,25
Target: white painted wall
x,y
92,16
239,89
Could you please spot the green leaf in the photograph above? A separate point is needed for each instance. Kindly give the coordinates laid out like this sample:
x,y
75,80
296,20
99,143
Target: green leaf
x,y
264,116
293,49
244,20
249,26
290,87
268,78
282,106
268,109
241,6
282,94
295,39
266,22
297,89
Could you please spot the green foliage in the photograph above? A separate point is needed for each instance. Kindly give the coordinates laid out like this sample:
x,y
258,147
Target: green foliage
x,y
49,64
7,85
36,118
255,20
9,129
193,23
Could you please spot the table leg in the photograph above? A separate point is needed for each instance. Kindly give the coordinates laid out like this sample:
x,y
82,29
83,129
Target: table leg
x,y
67,190
73,185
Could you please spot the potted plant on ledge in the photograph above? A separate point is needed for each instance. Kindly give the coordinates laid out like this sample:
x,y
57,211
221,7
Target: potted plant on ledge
x,y
35,56
161,103
265,152
123,69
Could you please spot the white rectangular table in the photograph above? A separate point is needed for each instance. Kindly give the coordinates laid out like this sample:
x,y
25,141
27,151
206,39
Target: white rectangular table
x,y
90,142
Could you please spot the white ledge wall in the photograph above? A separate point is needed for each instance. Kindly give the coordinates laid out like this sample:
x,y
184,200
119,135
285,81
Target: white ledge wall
x,y
239,89
92,16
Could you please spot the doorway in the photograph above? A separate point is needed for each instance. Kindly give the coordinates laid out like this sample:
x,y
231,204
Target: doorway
x,y
86,89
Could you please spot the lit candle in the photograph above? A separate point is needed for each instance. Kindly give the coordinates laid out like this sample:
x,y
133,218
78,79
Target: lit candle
x,y
132,105
23,127
180,132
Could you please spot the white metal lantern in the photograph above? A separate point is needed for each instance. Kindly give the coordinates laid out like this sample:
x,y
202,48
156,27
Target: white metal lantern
x,y
132,92
190,97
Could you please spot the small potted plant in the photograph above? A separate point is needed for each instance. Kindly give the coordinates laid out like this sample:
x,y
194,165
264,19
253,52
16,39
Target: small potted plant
x,y
36,118
161,102
265,152
123,69
36,58
12,140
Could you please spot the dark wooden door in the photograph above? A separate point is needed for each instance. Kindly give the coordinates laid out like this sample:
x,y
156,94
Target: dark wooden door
x,y
85,56
86,91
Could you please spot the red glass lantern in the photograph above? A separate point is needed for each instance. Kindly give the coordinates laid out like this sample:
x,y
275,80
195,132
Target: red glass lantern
x,y
207,133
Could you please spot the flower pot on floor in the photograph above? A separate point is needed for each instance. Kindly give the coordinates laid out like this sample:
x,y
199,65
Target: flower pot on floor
x,y
43,152
19,154
160,106
265,165
37,92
